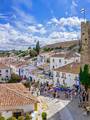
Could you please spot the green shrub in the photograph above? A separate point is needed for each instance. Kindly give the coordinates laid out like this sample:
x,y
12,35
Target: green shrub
x,y
28,117
11,118
14,78
2,118
21,118
44,116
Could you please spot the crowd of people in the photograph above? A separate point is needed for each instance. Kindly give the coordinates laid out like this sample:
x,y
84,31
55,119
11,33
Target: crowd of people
x,y
46,89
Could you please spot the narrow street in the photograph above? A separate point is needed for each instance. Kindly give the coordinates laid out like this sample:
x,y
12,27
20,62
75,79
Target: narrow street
x,y
63,110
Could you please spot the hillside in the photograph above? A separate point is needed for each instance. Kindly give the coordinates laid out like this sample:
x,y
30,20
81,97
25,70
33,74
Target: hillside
x,y
65,44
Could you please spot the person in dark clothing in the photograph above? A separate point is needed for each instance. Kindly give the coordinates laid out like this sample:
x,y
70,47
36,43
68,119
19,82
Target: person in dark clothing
x,y
54,94
87,97
84,96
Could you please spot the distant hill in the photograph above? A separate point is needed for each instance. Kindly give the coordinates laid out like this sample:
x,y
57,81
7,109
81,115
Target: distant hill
x,y
65,44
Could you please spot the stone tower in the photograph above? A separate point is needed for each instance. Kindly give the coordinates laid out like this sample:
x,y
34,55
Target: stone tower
x,y
85,43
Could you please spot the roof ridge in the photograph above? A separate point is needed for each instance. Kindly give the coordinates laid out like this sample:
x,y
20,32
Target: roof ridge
x,y
17,93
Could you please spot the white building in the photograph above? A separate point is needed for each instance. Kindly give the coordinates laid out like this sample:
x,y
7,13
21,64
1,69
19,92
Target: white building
x,y
67,75
62,59
16,100
44,58
22,69
5,72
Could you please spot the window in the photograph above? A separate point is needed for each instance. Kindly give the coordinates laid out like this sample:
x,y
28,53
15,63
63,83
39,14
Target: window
x,y
69,75
63,75
57,74
53,66
6,76
0,74
76,78
65,62
0,71
53,60
7,71
57,80
63,82
59,60
76,61
83,33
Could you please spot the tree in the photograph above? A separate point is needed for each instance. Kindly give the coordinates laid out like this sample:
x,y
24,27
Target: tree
x,y
44,116
33,53
21,118
2,118
81,75
38,47
29,47
14,78
85,77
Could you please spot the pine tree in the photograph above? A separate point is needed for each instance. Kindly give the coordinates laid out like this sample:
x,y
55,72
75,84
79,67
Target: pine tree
x,y
37,47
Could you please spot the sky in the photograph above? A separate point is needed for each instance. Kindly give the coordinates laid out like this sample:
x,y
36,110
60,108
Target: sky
x,y
24,22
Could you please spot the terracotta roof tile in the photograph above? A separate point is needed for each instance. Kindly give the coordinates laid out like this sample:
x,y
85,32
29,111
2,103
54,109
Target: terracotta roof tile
x,y
59,55
3,66
69,68
15,94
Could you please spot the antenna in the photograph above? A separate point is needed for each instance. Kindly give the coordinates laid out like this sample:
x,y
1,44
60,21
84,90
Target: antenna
x,y
83,11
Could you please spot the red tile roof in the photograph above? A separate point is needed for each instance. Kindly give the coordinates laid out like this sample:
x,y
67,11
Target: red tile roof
x,y
73,68
59,55
3,66
15,94
66,55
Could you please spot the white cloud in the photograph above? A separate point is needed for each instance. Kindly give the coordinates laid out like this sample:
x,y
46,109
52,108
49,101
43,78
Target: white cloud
x,y
64,35
58,30
39,25
74,6
70,21
24,17
34,29
42,31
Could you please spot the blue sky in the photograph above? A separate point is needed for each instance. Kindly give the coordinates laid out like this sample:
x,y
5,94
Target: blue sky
x,y
24,22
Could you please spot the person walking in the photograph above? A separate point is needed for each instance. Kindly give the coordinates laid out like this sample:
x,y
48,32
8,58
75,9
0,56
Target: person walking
x,y
84,97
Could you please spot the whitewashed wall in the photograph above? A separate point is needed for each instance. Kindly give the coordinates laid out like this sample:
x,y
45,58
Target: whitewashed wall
x,y
7,114
26,108
70,78
4,74
58,62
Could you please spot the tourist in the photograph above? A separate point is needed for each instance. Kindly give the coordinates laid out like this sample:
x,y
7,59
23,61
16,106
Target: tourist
x,y
84,97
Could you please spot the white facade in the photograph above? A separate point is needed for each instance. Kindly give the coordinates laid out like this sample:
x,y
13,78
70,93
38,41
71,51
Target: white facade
x,y
56,62
68,79
41,59
44,58
25,108
5,74
24,71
